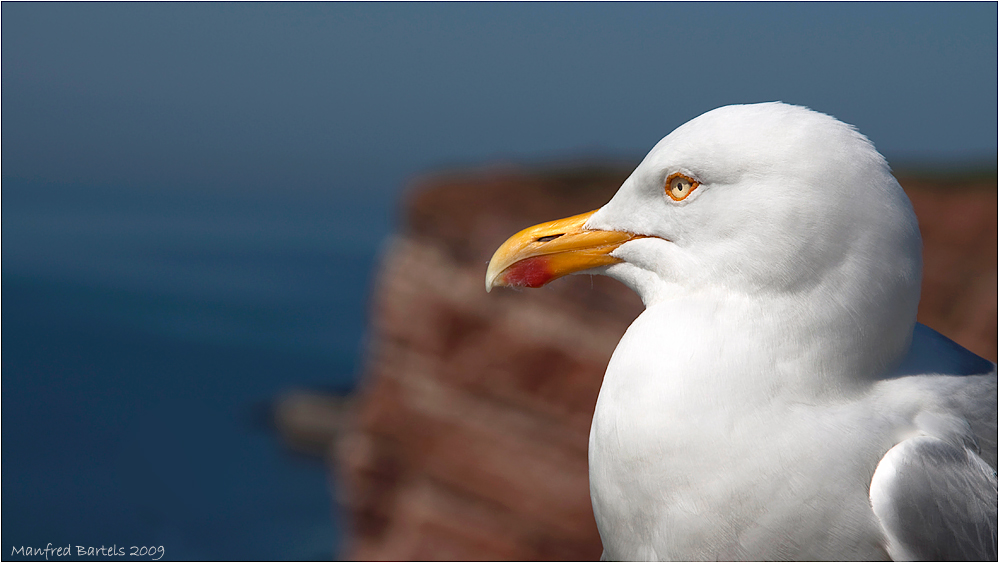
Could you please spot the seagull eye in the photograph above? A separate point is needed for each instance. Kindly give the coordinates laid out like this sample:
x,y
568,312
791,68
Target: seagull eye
x,y
679,186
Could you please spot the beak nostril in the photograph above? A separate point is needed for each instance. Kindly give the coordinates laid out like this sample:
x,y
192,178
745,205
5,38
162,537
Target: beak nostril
x,y
548,238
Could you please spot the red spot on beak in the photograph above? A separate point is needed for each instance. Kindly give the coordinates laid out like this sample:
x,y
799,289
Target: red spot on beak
x,y
532,272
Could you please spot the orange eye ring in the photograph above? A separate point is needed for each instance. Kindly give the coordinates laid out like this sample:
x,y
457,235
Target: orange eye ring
x,y
679,186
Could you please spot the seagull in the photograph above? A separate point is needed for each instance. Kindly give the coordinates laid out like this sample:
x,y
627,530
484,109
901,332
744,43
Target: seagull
x,y
776,399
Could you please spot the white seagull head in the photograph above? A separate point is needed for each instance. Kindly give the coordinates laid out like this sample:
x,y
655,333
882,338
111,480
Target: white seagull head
x,y
758,200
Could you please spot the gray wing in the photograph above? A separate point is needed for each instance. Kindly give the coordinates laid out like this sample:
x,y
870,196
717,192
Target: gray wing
x,y
935,494
932,352
936,499
972,388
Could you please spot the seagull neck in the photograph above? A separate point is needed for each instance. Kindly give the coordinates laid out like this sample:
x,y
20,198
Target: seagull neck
x,y
846,328
739,342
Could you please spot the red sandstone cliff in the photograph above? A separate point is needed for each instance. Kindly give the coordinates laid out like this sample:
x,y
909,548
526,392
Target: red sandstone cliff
x,y
467,439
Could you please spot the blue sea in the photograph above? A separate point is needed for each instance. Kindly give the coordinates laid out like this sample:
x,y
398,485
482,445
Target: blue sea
x,y
145,334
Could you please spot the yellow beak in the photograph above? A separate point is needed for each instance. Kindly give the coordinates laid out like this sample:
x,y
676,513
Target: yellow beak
x,y
542,253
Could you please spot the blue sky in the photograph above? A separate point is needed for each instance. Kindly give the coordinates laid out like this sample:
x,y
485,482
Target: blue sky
x,y
359,97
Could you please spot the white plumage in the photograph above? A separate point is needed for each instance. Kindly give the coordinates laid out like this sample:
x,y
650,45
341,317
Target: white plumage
x,y
776,399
